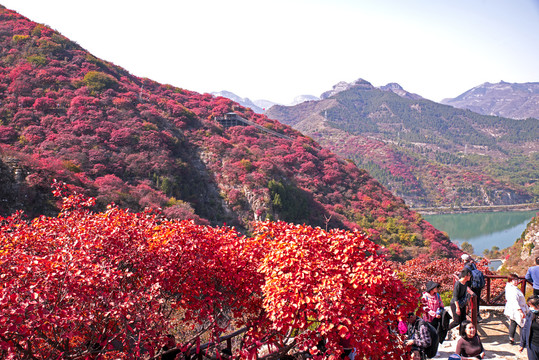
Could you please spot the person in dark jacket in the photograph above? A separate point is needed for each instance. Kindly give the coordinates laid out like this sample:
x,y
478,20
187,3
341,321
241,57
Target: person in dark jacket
x,y
469,263
529,338
419,336
170,350
469,346
460,299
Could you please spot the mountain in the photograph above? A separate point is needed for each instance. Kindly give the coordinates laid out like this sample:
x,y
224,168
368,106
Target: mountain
x,y
69,116
264,104
522,255
364,84
242,101
302,98
511,100
343,86
260,106
431,155
397,89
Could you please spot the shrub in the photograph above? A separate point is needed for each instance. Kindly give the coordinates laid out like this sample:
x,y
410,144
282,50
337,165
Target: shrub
x,y
19,38
37,60
97,81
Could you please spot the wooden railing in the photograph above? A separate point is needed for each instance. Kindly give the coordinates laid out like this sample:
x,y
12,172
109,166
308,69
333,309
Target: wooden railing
x,y
486,299
202,351
486,294
498,300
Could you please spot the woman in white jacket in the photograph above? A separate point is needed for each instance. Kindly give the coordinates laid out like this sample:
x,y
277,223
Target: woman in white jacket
x,y
515,307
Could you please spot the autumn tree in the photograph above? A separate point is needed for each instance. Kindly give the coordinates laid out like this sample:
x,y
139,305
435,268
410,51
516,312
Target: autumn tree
x,y
112,283
330,285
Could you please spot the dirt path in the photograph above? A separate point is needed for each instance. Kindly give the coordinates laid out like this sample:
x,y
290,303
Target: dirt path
x,y
493,331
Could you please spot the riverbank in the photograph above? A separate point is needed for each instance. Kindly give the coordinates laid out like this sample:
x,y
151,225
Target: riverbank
x,y
483,229
474,209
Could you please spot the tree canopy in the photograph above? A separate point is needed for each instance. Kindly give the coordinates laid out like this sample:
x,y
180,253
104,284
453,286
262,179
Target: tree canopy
x,y
112,283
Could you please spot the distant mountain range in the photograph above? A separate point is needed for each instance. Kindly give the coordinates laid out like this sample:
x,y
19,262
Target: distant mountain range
x,y
261,106
511,100
429,154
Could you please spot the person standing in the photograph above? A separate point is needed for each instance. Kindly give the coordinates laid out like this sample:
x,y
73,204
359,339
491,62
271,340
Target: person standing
x,y
469,346
532,276
475,284
460,298
432,304
515,307
529,338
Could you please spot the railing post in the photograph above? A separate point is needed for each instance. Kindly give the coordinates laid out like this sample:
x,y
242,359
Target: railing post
x,y
523,286
488,290
474,310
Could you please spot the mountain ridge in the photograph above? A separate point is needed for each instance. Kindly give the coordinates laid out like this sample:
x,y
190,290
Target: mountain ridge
x,y
260,106
511,100
427,153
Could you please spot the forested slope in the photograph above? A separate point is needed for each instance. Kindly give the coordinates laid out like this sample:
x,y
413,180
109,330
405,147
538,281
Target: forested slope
x,y
427,153
68,115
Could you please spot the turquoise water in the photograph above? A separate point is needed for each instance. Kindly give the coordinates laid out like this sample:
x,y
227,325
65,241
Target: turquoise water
x,y
483,230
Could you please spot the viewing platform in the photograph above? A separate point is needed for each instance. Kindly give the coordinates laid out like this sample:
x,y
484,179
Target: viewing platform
x,y
494,334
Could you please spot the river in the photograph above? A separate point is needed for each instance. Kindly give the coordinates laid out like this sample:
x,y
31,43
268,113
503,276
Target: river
x,y
483,230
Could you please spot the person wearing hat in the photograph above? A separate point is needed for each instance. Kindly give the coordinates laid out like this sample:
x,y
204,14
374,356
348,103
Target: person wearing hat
x,y
432,304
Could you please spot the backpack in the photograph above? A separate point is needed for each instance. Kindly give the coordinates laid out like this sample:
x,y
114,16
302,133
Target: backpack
x,y
432,349
443,326
478,279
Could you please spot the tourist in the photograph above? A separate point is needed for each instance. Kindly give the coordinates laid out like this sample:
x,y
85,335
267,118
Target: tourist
x,y
349,351
515,307
419,335
461,297
432,303
469,346
170,350
532,276
529,338
477,281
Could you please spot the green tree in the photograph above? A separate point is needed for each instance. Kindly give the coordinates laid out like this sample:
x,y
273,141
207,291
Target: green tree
x,y
97,81
289,201
467,247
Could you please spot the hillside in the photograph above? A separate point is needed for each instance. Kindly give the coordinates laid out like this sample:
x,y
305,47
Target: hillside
x,y
68,115
427,153
511,100
523,253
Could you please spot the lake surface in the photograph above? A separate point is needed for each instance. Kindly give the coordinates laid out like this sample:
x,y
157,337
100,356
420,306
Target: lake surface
x,y
483,230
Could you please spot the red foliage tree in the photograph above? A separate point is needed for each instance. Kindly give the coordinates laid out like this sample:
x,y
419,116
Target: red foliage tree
x,y
85,284
331,285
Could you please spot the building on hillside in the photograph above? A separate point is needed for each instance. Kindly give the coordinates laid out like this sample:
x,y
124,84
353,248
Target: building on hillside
x,y
231,119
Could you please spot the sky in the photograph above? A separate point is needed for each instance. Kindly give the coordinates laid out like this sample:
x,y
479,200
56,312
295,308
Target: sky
x,y
279,49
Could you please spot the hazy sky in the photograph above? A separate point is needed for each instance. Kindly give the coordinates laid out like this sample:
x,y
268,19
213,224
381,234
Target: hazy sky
x,y
279,49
